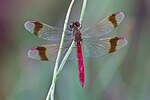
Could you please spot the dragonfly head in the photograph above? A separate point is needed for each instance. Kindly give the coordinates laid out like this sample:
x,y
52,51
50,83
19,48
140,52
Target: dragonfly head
x,y
74,25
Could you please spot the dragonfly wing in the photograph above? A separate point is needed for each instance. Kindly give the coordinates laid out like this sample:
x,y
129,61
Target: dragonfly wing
x,y
49,52
45,31
65,48
105,26
43,52
104,46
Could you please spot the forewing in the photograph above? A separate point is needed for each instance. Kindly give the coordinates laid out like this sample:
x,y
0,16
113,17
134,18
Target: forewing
x,y
100,47
105,26
45,31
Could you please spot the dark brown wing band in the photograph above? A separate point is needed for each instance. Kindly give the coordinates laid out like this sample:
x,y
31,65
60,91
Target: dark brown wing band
x,y
112,19
37,27
113,44
42,53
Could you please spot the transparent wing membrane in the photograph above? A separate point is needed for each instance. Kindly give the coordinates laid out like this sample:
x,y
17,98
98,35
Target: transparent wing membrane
x,y
100,47
49,52
94,48
45,31
104,27
43,52
93,45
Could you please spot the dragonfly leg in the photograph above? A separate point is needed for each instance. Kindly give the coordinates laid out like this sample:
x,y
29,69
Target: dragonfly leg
x,y
80,27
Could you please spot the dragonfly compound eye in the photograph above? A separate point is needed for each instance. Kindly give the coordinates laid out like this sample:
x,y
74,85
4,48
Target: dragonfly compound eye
x,y
71,25
77,24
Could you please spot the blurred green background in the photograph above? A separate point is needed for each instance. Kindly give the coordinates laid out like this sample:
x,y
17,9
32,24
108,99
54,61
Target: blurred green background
x,y
123,75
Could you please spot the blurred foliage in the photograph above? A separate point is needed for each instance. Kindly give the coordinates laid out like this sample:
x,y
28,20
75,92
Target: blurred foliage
x,y
123,75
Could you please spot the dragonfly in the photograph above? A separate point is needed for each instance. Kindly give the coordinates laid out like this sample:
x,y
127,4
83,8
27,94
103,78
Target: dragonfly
x,y
89,43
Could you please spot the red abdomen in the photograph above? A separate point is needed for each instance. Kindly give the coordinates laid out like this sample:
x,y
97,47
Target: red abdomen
x,y
80,64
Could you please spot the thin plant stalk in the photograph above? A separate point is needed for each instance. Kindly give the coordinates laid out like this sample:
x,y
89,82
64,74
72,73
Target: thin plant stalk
x,y
72,44
52,88
56,69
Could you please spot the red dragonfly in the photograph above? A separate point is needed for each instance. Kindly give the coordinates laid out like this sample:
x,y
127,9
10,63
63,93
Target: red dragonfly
x,y
89,43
